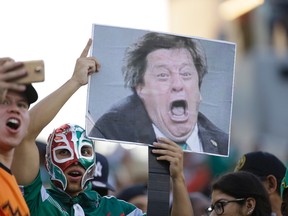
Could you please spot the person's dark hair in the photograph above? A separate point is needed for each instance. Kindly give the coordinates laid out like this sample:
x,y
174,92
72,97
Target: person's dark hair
x,y
135,61
132,191
244,184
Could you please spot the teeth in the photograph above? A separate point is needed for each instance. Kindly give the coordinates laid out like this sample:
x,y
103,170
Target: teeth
x,y
13,121
75,173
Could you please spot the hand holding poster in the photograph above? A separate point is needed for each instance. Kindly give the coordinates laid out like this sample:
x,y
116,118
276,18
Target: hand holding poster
x,y
161,85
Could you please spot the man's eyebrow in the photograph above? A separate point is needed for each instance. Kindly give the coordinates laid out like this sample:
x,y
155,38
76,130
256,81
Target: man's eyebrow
x,y
20,99
24,100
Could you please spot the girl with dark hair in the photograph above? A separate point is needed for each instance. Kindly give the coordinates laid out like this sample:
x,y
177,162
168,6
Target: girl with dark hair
x,y
239,193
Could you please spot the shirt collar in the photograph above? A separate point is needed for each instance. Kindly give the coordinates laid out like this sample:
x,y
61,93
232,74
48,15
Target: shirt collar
x,y
193,142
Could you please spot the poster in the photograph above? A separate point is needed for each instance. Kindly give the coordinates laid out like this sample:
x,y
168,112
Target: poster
x,y
154,84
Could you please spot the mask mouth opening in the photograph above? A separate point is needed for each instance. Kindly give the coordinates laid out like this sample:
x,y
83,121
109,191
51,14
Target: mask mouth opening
x,y
75,174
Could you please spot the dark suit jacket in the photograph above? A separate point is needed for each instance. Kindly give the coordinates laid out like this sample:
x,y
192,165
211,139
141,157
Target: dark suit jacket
x,y
128,120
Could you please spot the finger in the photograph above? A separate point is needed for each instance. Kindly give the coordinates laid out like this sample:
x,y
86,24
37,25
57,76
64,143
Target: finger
x,y
11,86
165,140
13,75
12,71
5,59
167,144
174,161
97,64
86,49
3,93
170,152
12,66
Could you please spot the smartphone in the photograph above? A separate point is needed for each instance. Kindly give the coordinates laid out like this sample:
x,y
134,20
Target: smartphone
x,y
35,72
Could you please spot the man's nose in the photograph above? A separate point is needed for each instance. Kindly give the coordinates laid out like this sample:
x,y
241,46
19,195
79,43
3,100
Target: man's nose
x,y
13,107
177,82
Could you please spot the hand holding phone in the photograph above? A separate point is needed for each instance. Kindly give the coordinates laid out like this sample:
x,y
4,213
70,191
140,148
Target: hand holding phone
x,y
35,72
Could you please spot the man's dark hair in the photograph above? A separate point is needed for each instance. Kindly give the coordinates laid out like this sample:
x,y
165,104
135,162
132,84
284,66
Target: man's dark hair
x,y
136,62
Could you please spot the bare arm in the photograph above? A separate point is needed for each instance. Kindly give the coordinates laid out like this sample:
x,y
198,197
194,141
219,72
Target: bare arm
x,y
26,161
171,152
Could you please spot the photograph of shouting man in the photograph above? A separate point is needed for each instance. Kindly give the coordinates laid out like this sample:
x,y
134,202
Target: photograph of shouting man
x,y
165,73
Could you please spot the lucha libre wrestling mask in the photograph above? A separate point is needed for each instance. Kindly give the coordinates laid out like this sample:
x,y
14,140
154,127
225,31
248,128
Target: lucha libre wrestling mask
x,y
71,139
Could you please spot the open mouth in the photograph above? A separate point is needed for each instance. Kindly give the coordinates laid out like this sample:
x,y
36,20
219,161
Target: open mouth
x,y
13,123
75,174
178,110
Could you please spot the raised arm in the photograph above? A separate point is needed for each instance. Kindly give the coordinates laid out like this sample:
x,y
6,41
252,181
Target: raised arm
x,y
171,152
26,162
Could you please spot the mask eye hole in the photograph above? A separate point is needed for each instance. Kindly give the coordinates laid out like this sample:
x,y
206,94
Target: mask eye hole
x,y
62,154
86,151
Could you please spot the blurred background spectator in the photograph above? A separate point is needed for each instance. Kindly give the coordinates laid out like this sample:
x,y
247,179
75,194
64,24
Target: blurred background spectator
x,y
100,181
135,194
42,151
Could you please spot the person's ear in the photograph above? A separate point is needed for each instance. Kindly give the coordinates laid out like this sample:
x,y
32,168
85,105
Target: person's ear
x,y
271,183
250,205
139,89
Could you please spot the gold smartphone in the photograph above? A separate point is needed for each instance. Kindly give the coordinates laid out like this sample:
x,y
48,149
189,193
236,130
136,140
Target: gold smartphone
x,y
35,72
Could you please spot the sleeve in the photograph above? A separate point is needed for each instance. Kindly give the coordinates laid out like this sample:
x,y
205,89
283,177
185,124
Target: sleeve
x,y
38,199
32,191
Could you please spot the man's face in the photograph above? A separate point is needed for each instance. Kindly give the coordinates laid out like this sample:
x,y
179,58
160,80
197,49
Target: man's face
x,y
170,92
75,171
14,120
72,158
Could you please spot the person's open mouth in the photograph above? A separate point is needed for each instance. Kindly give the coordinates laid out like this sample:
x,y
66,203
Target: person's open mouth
x,y
75,175
13,123
178,110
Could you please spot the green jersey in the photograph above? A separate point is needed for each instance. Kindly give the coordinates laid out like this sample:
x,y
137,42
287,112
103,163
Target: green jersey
x,y
52,202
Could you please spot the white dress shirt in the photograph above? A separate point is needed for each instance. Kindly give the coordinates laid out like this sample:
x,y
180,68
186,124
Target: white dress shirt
x,y
193,142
